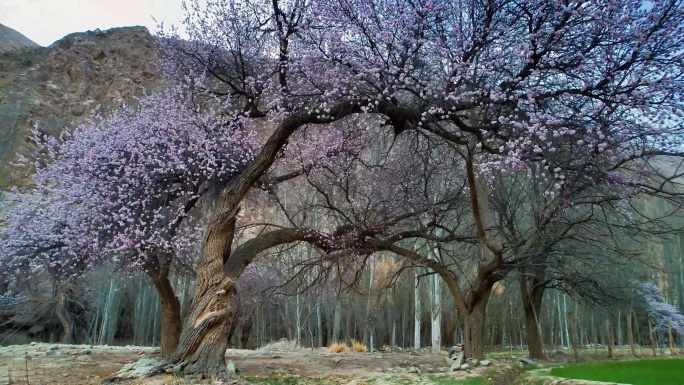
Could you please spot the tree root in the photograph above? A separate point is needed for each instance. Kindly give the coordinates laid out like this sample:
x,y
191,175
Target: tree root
x,y
168,367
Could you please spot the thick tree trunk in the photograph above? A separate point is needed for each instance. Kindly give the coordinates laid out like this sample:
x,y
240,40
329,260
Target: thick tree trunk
x,y
171,323
215,307
207,330
532,303
450,328
534,337
246,331
473,328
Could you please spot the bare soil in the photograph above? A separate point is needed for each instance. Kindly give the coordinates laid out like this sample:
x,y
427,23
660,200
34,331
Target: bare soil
x,y
42,363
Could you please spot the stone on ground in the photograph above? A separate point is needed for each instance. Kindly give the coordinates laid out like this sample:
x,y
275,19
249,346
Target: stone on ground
x,y
456,365
230,368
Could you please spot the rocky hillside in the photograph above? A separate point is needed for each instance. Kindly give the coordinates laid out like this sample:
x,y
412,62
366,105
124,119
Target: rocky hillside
x,y
11,40
57,87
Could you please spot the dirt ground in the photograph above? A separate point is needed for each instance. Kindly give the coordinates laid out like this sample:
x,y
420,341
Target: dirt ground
x,y
42,363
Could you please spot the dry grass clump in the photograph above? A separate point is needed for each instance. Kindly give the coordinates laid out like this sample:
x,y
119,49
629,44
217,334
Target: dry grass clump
x,y
338,347
284,345
359,347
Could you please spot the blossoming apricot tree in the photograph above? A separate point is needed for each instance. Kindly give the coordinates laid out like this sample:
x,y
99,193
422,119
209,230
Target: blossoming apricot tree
x,y
587,91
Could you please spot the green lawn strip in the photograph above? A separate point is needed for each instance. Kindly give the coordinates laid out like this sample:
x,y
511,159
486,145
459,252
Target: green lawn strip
x,y
641,372
441,380
286,380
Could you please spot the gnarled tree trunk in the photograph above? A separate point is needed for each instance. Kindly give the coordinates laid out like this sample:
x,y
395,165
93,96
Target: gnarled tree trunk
x,y
207,331
215,309
214,312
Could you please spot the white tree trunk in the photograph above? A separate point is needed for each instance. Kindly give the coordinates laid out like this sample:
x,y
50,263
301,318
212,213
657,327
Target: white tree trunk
x,y
319,323
436,316
298,313
393,340
416,325
560,321
337,320
436,308
370,327
565,310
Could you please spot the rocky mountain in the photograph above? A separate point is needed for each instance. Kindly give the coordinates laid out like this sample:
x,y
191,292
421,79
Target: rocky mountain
x,y
11,40
57,87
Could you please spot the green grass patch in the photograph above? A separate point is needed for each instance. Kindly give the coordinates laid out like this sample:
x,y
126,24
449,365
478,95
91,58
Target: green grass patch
x,y
273,380
292,380
443,380
642,372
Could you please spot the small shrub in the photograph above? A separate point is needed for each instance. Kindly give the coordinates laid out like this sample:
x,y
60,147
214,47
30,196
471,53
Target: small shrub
x,y
359,347
338,347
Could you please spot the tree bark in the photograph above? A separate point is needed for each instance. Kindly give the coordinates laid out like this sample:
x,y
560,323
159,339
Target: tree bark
x,y
337,320
630,334
609,338
416,312
171,323
534,337
319,324
215,309
245,332
435,294
673,349
650,334
532,303
473,327
207,331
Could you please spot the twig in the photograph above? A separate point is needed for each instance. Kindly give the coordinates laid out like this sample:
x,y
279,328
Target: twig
x,y
26,364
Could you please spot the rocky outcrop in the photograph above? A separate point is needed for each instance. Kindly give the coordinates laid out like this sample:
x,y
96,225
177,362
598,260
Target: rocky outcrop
x,y
11,40
57,87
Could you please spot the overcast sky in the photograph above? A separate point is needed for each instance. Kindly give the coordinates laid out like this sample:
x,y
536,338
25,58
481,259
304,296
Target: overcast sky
x,y
45,21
